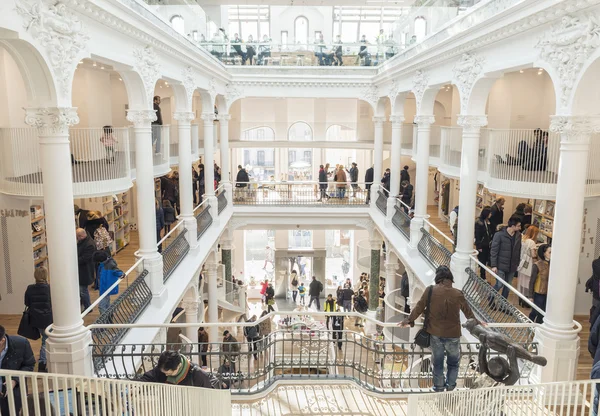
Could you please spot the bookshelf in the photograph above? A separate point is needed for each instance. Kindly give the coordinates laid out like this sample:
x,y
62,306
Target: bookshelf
x,y
484,198
38,236
543,218
115,209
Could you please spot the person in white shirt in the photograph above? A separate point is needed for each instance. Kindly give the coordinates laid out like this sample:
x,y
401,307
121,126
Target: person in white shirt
x,y
453,222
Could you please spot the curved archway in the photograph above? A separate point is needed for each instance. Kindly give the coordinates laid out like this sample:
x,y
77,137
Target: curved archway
x,y
340,133
259,134
420,28
301,30
300,131
178,24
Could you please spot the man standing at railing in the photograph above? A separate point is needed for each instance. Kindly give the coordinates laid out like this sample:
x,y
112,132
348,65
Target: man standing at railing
x,y
15,354
505,255
241,180
157,125
369,174
354,178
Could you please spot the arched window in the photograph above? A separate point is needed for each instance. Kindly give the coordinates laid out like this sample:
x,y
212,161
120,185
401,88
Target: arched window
x,y
301,30
178,24
258,134
300,131
420,28
339,133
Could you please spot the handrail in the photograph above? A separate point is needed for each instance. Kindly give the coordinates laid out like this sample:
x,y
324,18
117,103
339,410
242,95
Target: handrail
x,y
439,231
204,201
389,303
221,187
179,224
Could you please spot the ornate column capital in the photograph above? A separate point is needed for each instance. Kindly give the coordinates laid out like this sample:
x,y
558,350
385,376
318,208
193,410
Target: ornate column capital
x,y
470,123
397,121
224,117
53,120
424,121
184,116
190,306
208,118
378,120
575,130
141,118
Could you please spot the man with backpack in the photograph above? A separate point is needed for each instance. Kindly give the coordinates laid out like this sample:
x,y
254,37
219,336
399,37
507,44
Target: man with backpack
x,y
360,306
314,290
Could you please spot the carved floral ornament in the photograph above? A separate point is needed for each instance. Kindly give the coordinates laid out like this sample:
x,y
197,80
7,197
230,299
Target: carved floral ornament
x,y
370,95
420,83
146,64
232,93
60,32
141,118
53,120
466,72
566,47
189,83
394,91
212,90
472,123
184,116
575,129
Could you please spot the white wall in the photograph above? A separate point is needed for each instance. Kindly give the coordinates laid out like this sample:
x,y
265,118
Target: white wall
x,y
283,18
194,17
13,96
94,105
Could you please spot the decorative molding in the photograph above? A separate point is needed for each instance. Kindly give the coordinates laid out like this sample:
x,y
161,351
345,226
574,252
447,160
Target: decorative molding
x,y
392,94
60,32
189,83
224,117
304,84
466,71
208,117
232,93
424,120
396,120
53,120
184,116
566,46
212,90
370,95
141,118
471,123
367,224
420,83
575,129
236,223
146,64
378,120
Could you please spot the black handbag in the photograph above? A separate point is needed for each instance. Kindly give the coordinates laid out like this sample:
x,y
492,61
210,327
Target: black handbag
x,y
25,328
423,338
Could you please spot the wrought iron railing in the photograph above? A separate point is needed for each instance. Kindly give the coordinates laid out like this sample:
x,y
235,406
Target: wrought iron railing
x,y
381,201
433,251
490,306
175,253
299,353
124,310
401,219
221,201
203,221
300,193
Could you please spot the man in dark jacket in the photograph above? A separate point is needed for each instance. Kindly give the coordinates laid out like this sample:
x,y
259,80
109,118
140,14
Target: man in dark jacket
x,y
497,216
241,181
157,125
85,252
230,348
314,290
174,368
407,194
368,182
505,253
322,183
80,216
404,175
252,335
354,177
593,285
385,181
347,296
15,354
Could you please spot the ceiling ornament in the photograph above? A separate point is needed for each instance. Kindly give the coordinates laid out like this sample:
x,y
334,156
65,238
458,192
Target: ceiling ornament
x,y
566,46
146,64
60,32
466,72
420,83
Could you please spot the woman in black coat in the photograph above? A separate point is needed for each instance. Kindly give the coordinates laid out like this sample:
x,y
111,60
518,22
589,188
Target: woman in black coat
x,y
39,302
483,238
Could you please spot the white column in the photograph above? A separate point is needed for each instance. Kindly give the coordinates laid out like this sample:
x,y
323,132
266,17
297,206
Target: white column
x,y
377,156
468,194
391,280
68,345
191,317
213,309
395,164
422,177
224,150
186,197
209,163
559,342
145,202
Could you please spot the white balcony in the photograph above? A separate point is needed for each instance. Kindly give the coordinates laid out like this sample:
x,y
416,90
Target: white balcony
x,y
160,148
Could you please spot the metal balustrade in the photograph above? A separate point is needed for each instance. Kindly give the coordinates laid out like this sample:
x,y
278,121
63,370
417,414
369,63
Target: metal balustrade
x,y
432,250
401,219
43,394
381,202
203,218
451,139
221,201
407,136
176,247
435,141
300,193
302,353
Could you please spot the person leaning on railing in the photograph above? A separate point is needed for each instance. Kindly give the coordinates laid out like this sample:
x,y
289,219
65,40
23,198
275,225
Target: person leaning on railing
x,y
174,368
444,326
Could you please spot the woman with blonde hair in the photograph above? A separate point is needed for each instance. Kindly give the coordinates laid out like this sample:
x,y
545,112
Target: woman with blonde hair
x,y
340,182
528,257
38,300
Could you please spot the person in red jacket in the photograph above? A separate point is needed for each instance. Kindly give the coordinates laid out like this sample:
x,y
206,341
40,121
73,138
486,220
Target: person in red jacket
x,y
263,290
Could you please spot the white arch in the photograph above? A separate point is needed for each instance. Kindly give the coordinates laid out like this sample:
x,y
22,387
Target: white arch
x,y
300,131
259,134
340,133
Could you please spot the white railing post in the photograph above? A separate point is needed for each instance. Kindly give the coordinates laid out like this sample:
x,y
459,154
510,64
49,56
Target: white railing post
x,y
377,158
424,123
213,296
468,195
186,197
209,161
69,341
558,341
146,210
395,165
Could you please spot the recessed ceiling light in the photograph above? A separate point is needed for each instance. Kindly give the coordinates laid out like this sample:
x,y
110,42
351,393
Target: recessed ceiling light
x,y
101,67
94,64
80,62
521,71
120,79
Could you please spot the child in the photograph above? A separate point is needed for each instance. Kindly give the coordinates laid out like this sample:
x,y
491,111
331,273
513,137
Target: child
x,y
302,292
109,141
169,213
108,273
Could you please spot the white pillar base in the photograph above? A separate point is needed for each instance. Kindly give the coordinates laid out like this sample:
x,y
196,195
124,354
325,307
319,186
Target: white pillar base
x,y
214,209
561,349
154,279
391,210
374,195
458,264
415,232
191,225
70,354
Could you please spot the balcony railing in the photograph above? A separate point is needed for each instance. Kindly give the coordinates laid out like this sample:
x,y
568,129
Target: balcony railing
x,y
203,218
175,247
381,202
401,219
300,193
435,141
406,144
221,199
100,161
436,251
451,150
160,149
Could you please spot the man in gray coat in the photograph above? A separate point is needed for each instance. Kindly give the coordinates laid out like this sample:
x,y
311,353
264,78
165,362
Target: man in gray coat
x,y
506,253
